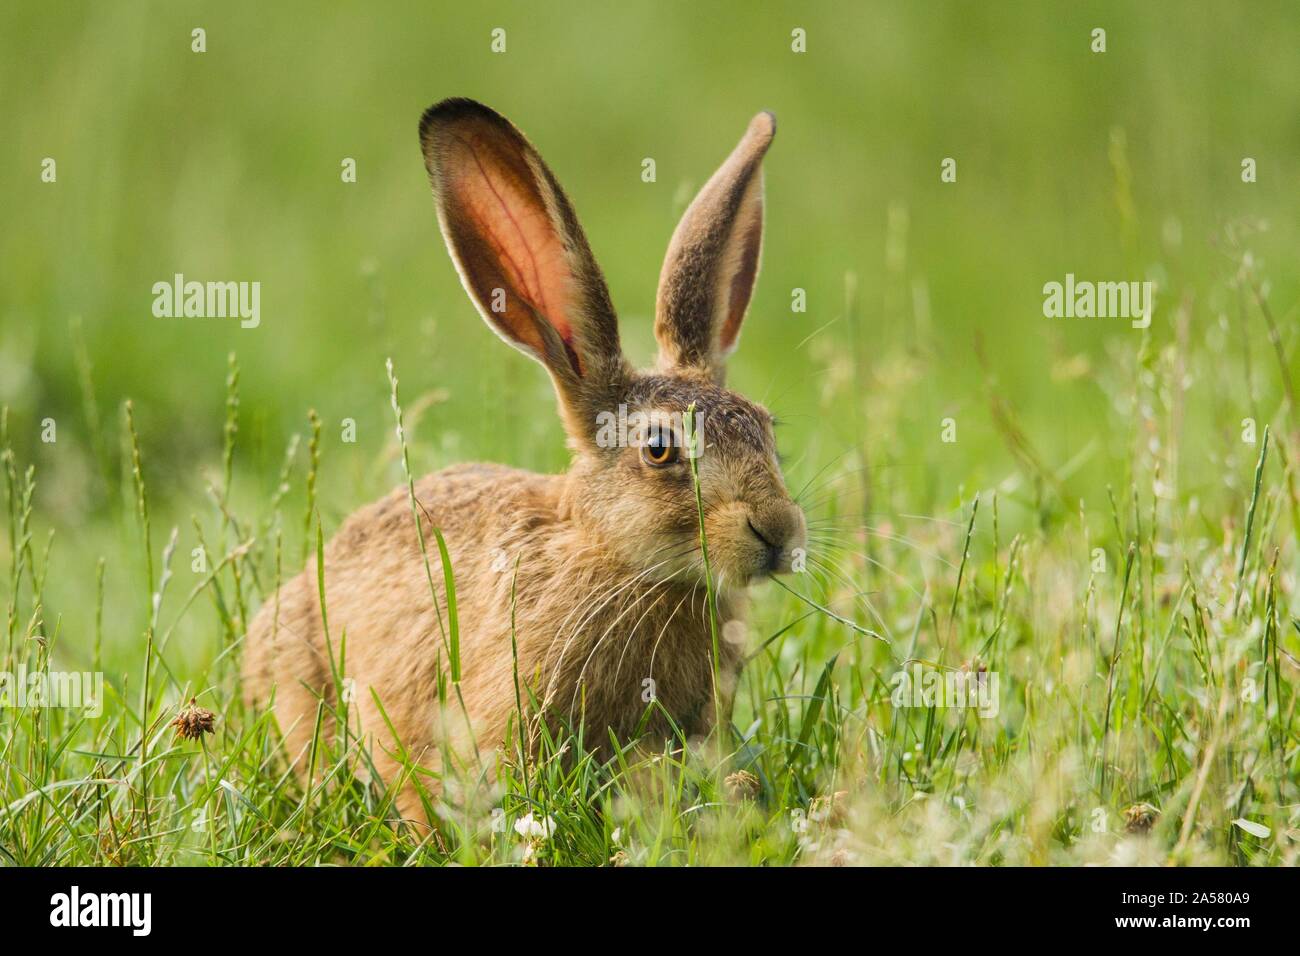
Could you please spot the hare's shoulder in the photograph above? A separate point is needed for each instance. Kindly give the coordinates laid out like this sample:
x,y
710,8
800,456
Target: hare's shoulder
x,y
472,492
464,496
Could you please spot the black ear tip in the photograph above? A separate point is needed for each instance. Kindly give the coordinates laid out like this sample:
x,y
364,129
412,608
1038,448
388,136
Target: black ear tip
x,y
451,109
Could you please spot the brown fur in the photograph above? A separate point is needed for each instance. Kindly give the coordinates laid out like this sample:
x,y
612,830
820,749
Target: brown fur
x,y
604,560
712,261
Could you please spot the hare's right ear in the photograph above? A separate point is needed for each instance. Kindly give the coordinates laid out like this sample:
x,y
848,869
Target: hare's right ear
x,y
708,274
521,254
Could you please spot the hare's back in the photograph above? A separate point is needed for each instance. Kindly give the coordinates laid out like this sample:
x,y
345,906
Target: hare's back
x,y
376,583
470,504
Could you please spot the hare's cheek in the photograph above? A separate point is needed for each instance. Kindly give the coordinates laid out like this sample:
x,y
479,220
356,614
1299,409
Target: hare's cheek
x,y
733,550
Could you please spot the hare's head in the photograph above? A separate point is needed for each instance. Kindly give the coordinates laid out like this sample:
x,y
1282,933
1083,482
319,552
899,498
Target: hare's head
x,y
640,438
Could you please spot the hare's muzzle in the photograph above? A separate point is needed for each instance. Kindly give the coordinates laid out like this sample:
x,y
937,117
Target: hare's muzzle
x,y
781,532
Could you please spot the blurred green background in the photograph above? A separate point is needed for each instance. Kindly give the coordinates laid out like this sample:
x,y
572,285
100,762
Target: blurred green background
x,y
225,165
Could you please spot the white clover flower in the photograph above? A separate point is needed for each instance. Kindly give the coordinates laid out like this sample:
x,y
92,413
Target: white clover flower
x,y
531,828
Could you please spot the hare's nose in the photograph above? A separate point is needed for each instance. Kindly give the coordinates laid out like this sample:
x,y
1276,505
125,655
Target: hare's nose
x,y
781,530
763,537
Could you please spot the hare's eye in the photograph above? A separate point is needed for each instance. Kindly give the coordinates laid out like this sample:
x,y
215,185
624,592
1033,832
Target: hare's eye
x,y
659,448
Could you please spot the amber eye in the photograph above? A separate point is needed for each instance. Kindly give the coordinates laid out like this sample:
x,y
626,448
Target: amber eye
x,y
659,448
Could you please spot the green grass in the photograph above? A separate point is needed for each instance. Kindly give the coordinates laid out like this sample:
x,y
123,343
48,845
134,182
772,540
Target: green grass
x,y
1163,679
1099,535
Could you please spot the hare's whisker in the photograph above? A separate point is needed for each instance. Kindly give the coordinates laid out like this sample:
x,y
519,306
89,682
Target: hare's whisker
x,y
835,571
608,630
577,631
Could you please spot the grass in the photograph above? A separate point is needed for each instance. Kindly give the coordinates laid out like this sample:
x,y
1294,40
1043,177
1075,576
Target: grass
x,y
1105,532
1147,710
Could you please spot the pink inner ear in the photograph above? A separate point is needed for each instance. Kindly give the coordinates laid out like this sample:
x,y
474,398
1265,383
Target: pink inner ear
x,y
502,202
742,283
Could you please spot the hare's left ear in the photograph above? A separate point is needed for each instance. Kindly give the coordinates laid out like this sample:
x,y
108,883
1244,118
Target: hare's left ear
x,y
708,274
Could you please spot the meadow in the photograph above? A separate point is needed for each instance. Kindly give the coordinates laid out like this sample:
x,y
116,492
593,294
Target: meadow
x,y
1102,519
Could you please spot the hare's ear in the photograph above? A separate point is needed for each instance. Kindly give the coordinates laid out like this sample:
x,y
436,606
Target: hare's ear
x,y
712,261
521,254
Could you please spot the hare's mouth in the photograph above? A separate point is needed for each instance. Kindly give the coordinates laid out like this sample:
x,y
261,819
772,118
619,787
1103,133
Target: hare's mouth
x,y
773,558
778,548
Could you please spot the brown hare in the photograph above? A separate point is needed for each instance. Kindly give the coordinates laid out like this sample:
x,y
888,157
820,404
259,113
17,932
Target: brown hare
x,y
597,573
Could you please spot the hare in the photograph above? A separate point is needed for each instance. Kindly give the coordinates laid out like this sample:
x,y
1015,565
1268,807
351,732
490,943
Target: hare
x,y
580,595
